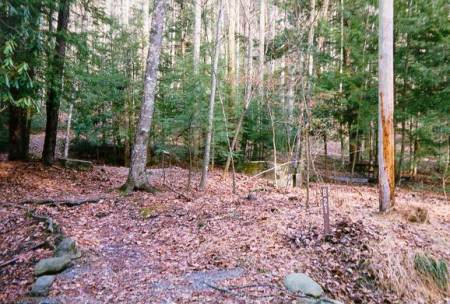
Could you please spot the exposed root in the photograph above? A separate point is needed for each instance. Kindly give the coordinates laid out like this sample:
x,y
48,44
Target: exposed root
x,y
62,202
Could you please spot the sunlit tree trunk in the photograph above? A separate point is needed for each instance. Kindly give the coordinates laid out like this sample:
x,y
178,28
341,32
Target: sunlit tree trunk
x,y
206,155
386,105
67,139
137,177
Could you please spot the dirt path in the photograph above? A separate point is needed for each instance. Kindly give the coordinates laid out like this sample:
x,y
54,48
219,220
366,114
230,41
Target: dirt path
x,y
217,248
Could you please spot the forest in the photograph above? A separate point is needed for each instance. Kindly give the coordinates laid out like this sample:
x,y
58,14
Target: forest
x,y
224,151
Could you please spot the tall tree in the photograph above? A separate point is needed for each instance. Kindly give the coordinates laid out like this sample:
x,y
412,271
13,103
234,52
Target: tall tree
x,y
55,74
20,59
137,176
197,33
212,97
386,173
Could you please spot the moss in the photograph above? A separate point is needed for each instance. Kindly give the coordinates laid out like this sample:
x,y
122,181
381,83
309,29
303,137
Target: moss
x,y
148,212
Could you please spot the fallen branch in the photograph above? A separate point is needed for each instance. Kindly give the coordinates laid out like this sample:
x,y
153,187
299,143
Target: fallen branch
x,y
268,170
15,259
52,227
61,202
189,199
222,289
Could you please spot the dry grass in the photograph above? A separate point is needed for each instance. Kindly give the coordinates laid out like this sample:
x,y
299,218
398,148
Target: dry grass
x,y
395,268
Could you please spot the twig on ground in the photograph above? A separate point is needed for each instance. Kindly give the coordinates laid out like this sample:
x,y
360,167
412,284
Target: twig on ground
x,y
179,193
15,259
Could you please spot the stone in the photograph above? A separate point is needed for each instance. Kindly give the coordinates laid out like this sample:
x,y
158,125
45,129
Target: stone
x,y
251,197
42,285
52,265
67,247
301,283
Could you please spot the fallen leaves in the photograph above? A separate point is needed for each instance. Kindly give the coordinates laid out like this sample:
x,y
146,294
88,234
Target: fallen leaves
x,y
142,246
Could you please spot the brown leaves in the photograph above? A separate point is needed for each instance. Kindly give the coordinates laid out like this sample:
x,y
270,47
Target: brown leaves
x,y
340,260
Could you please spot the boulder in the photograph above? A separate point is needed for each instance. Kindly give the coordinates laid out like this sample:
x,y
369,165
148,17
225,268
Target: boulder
x,y
51,265
42,285
67,247
301,283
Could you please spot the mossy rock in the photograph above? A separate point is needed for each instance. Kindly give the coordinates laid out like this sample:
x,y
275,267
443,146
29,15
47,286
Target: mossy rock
x,y
254,167
77,164
52,265
148,212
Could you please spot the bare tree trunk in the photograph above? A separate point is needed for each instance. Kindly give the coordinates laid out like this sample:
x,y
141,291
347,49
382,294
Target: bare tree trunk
x,y
232,50
261,58
341,70
67,139
137,177
274,145
55,84
206,156
248,89
197,33
402,153
19,132
386,174
309,92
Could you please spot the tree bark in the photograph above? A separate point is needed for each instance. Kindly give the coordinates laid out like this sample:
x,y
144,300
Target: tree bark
x,y
197,33
137,177
67,140
19,133
232,51
56,75
248,89
206,156
386,174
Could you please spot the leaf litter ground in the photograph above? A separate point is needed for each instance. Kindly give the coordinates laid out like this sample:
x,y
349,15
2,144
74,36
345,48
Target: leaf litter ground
x,y
218,247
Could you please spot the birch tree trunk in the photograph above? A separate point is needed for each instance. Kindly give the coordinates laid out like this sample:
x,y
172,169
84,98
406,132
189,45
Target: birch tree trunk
x,y
206,156
197,33
386,174
67,139
137,177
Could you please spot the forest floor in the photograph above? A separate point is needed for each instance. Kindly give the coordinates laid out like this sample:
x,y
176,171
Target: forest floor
x,y
179,246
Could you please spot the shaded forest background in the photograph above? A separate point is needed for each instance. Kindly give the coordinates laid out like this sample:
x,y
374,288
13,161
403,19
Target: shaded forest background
x,y
294,70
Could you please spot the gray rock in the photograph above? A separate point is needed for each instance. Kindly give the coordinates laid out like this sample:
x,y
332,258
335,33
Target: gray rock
x,y
51,265
67,247
251,197
301,283
42,285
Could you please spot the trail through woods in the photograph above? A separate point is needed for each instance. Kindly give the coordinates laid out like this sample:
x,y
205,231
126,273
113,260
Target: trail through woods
x,y
217,247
